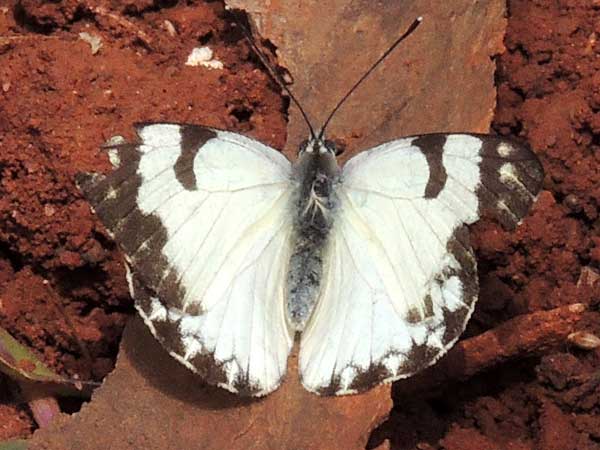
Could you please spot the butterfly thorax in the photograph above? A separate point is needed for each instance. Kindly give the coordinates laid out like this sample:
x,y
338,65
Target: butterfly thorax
x,y
316,172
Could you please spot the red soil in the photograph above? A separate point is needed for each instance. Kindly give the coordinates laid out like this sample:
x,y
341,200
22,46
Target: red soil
x,y
62,289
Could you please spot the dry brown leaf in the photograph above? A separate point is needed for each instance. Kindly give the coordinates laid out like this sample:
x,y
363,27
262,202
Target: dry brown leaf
x,y
440,79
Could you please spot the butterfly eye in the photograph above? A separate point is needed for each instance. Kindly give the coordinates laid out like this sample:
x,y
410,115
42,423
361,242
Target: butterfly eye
x,y
303,146
330,146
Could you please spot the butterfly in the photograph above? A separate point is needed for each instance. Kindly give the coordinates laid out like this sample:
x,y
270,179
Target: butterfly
x,y
232,251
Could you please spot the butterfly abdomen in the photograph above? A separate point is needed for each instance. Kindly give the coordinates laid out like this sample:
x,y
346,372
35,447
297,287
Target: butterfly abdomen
x,y
316,173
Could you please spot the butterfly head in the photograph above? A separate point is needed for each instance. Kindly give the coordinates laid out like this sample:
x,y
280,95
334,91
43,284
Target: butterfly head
x,y
316,146
316,156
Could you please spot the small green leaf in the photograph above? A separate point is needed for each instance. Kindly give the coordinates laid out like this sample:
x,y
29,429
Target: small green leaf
x,y
18,362
15,444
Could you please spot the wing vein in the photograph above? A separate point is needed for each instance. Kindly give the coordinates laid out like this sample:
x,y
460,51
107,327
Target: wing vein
x,y
410,242
378,193
240,238
380,244
199,248
426,222
181,225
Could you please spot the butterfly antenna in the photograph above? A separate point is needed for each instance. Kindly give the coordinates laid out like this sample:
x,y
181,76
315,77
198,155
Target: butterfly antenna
x,y
407,33
272,72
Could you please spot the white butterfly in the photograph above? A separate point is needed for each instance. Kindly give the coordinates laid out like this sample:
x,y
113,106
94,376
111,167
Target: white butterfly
x,y
232,250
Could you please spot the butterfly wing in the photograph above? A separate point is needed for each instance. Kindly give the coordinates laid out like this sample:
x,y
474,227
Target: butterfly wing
x,y
400,280
202,216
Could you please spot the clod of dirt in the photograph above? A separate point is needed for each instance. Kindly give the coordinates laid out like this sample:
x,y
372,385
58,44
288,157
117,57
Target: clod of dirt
x,y
557,431
14,422
463,439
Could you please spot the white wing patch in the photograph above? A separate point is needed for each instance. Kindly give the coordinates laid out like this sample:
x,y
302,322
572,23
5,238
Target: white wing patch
x,y
400,281
203,216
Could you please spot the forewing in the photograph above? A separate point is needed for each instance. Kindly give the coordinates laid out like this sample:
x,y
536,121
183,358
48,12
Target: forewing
x,y
202,216
400,279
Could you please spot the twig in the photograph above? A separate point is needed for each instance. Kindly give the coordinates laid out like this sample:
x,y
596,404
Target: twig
x,y
527,335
